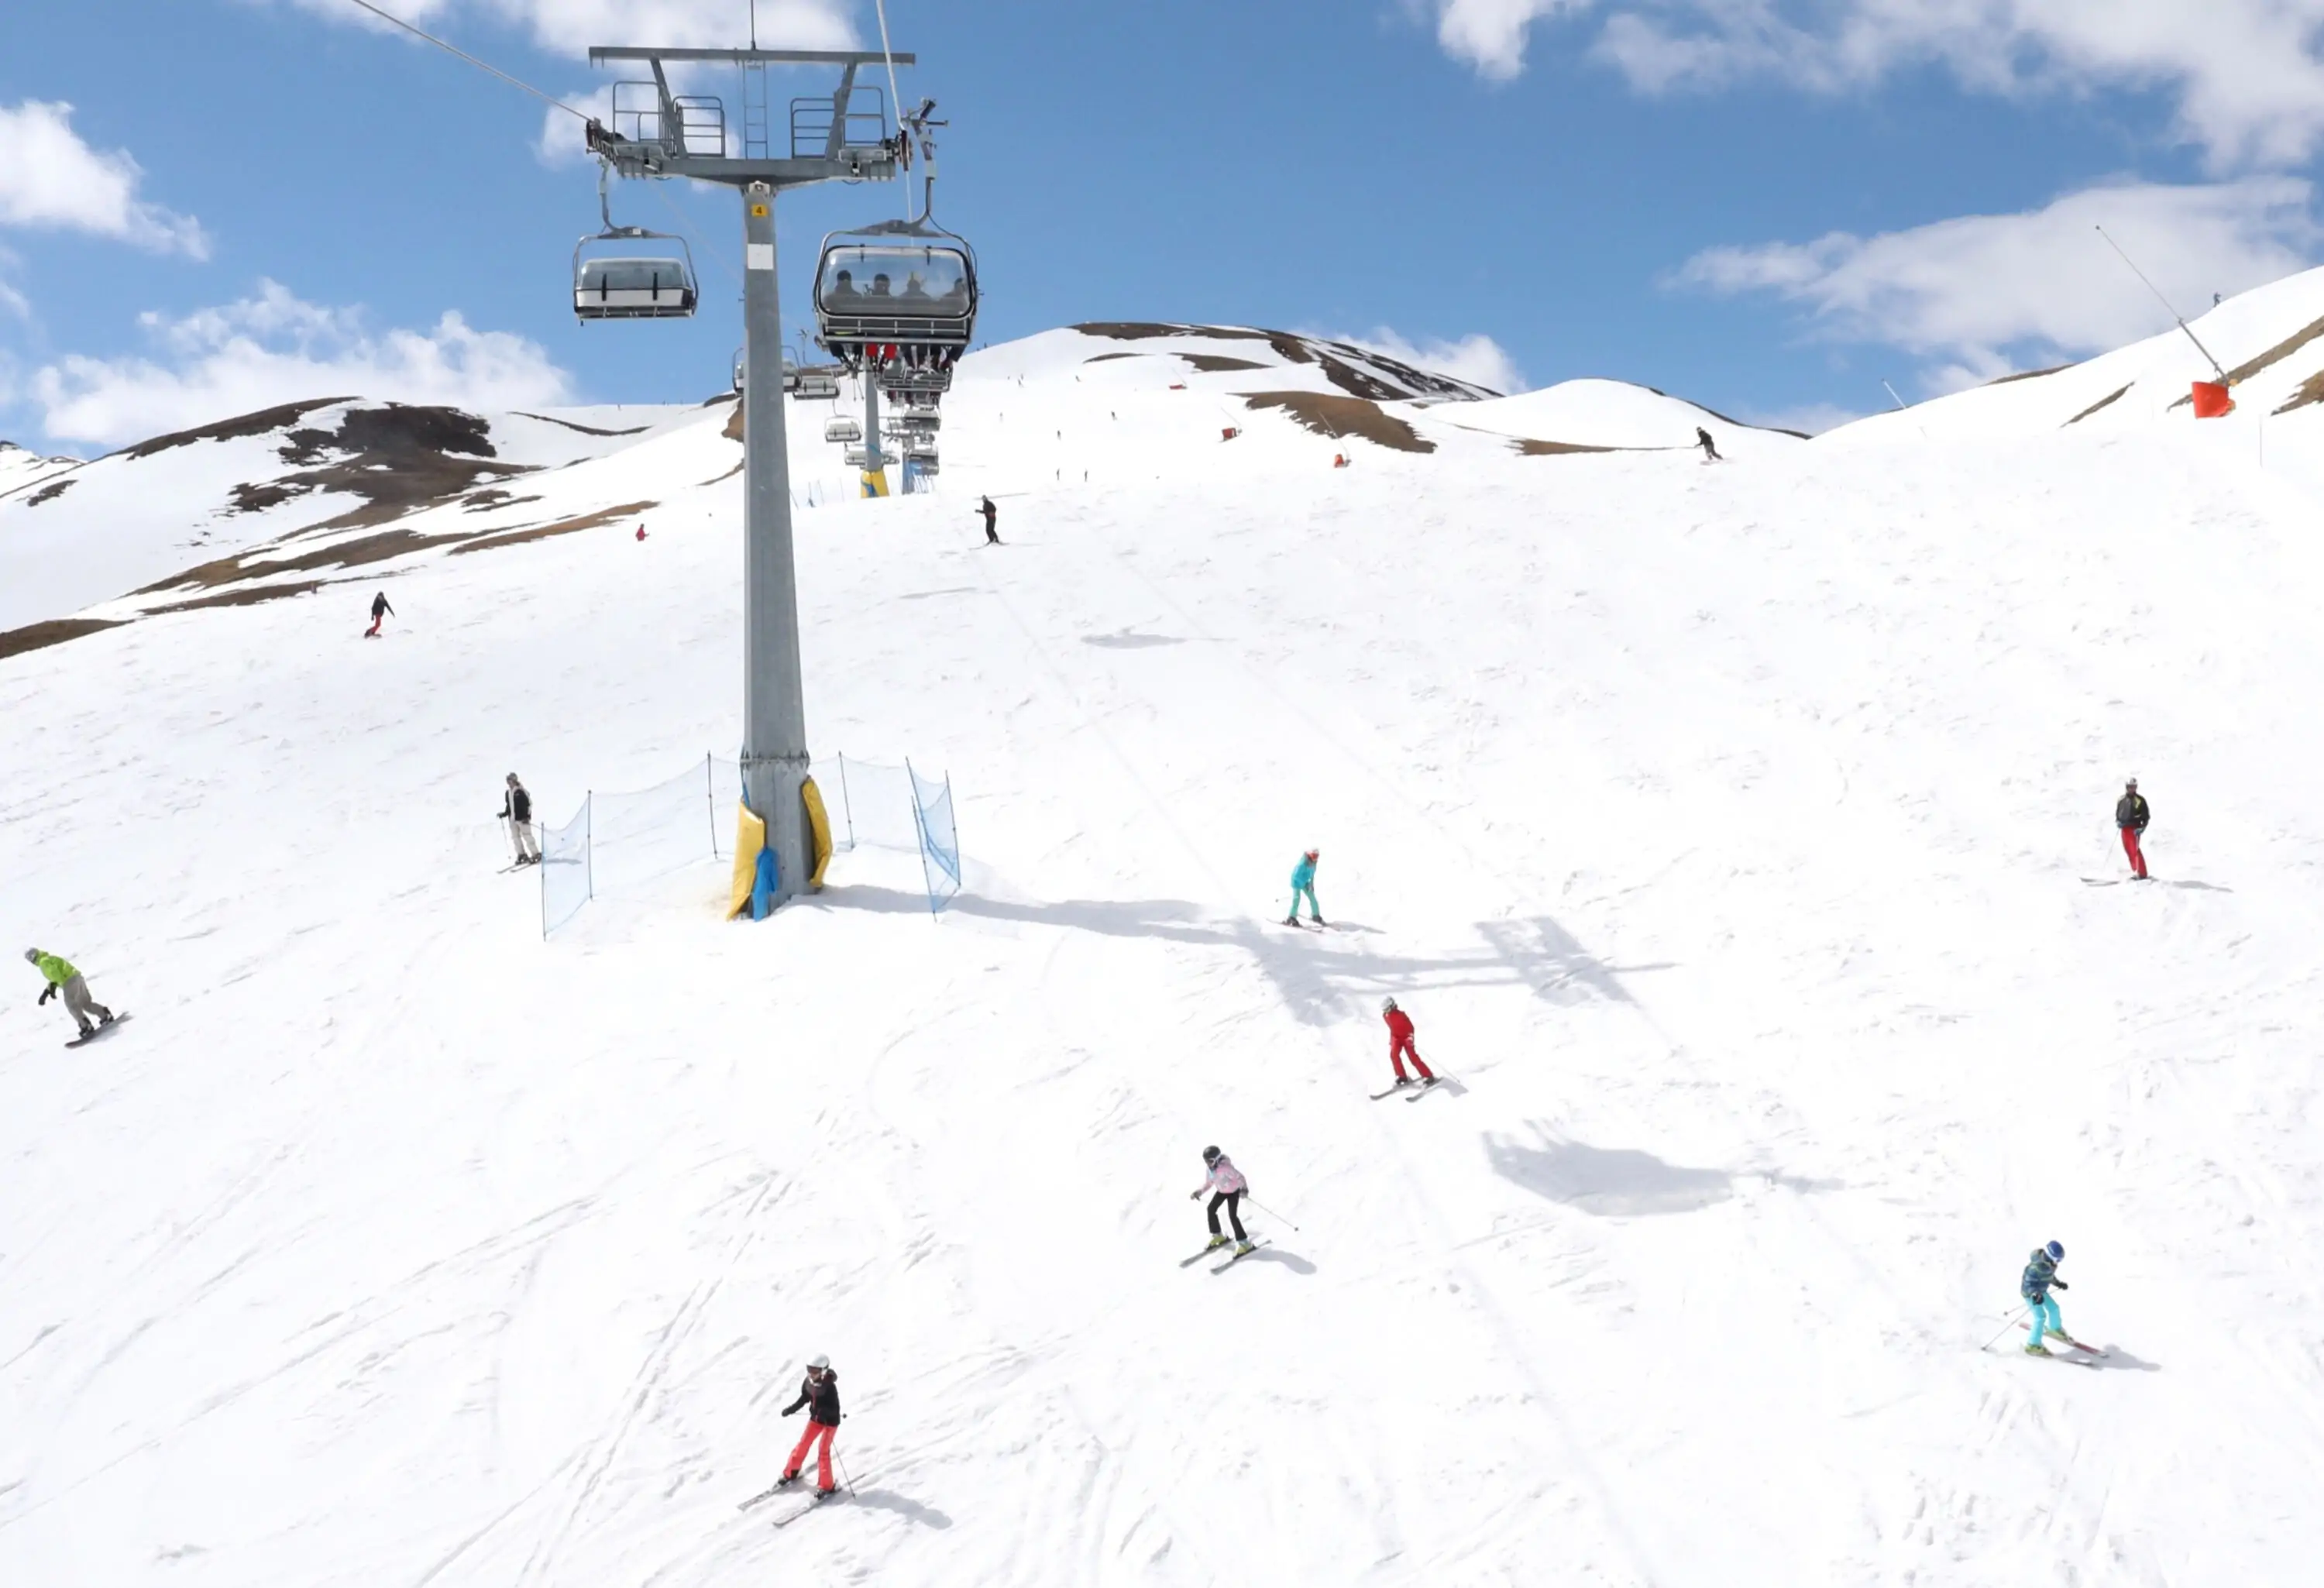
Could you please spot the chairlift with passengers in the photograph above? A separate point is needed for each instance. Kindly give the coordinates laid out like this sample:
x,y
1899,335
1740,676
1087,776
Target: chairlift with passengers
x,y
638,284
897,299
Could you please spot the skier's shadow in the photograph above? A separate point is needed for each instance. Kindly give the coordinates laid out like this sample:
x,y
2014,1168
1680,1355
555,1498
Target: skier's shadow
x,y
1275,1254
2116,1357
911,1510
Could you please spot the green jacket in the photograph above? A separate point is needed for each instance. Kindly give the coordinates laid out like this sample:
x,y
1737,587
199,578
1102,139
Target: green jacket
x,y
54,967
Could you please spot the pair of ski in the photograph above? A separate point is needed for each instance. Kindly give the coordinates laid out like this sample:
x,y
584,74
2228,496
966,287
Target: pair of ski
x,y
2090,1359
1233,1258
814,1502
1414,1091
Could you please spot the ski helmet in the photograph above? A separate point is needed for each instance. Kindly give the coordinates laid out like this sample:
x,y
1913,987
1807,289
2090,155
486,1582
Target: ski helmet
x,y
1386,1004
2057,1253
1315,855
1210,1154
2133,783
32,957
818,1363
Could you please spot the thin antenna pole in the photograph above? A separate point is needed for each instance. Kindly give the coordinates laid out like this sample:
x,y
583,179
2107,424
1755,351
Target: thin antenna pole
x,y
754,23
1899,401
894,94
2173,313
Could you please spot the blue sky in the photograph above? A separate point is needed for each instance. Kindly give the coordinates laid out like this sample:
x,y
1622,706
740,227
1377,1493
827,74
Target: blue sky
x,y
1768,206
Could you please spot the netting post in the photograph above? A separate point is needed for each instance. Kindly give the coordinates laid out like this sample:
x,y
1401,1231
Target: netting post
x,y
589,842
920,826
846,804
710,798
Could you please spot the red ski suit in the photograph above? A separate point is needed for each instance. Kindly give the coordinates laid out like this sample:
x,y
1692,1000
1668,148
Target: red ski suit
x,y
1400,1047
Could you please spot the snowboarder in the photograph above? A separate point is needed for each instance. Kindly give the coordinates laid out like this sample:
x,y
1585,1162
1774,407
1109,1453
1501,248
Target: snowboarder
x,y
2131,815
379,609
1399,1045
516,809
1226,1184
1303,880
819,1392
991,515
62,978
2041,1274
1710,447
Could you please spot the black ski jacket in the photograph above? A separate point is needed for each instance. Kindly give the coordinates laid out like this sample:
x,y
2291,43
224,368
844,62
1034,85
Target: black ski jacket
x,y
825,1397
2130,811
518,806
379,604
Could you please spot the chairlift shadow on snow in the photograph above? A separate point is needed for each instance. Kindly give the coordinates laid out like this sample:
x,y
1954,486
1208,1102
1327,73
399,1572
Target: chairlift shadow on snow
x,y
910,1510
1612,1182
1124,640
1322,982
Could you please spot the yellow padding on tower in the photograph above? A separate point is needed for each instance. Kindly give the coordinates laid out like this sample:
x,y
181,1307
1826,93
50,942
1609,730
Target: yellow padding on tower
x,y
819,834
750,837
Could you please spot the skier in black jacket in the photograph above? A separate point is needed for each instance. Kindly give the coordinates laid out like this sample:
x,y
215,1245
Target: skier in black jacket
x,y
2131,815
1710,447
820,1393
516,809
379,609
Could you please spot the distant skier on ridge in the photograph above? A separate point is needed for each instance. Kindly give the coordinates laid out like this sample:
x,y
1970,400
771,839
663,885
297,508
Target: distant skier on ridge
x,y
379,609
1226,1185
1400,1045
1710,447
991,514
1303,880
2131,815
819,1391
516,809
62,978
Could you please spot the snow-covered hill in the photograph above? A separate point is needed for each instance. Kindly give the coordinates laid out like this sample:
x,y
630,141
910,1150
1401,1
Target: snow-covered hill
x,y
1739,837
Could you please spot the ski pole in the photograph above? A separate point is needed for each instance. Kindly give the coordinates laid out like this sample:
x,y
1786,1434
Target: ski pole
x,y
2012,1323
842,1472
1262,1207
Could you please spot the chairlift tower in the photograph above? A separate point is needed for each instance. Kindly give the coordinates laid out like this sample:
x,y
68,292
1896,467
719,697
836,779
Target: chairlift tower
x,y
657,134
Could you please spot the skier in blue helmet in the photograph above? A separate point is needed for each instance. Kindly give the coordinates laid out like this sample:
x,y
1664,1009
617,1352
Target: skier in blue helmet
x,y
2041,1276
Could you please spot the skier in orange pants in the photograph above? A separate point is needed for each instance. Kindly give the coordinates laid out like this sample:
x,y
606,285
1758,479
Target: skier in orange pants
x,y
820,1393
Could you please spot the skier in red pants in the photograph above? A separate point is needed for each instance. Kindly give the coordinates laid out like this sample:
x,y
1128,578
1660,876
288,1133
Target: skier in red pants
x,y
820,1393
2131,815
1400,1047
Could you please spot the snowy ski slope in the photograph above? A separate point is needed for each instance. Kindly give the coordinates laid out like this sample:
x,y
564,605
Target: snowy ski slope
x,y
1730,833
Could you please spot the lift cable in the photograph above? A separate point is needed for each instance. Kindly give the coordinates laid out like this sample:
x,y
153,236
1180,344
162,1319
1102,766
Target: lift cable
x,y
472,60
895,96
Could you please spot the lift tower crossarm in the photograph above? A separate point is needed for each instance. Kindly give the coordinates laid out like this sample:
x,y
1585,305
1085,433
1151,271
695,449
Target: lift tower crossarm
x,y
600,55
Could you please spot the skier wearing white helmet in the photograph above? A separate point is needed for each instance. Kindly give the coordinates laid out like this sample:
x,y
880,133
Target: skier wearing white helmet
x,y
820,1393
1400,1045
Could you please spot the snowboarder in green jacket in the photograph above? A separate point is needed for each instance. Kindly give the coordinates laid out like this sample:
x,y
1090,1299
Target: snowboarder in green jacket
x,y
62,978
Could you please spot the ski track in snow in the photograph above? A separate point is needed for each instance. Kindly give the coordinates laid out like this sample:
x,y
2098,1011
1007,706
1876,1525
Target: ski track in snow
x,y
1722,829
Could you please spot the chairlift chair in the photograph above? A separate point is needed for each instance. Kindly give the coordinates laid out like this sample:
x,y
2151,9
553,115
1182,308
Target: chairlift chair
x,y
898,299
844,429
817,383
654,284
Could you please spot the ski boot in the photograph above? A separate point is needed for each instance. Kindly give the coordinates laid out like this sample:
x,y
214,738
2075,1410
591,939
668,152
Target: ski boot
x,y
823,1494
1317,920
1216,1242
1244,1248
2036,1349
1290,920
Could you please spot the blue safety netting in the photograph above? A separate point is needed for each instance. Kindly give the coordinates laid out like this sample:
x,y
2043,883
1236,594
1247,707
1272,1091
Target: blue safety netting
x,y
939,838
564,871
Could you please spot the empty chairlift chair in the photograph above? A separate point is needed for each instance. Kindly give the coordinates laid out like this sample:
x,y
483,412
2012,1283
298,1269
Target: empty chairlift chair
x,y
843,429
654,282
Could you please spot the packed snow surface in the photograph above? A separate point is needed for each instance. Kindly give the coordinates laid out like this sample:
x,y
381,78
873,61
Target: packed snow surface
x,y
1738,836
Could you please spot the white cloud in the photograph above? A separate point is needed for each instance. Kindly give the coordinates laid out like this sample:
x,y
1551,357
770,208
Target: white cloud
x,y
1810,418
273,348
1967,291
52,180
1476,358
11,300
2246,76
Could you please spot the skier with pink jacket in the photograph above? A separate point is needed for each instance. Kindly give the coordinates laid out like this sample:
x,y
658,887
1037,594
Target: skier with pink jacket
x,y
1226,1184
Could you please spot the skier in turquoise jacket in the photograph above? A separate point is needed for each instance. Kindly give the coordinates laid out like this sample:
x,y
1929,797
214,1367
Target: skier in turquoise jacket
x,y
1303,880
2041,1275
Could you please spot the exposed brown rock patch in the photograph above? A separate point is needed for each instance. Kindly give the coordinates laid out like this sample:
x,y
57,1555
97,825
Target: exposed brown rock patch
x,y
2110,398
54,631
248,424
1337,417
